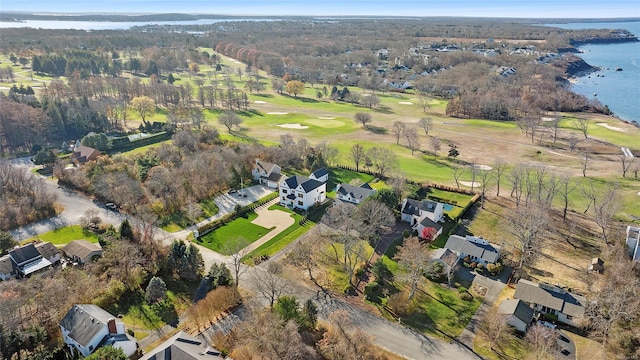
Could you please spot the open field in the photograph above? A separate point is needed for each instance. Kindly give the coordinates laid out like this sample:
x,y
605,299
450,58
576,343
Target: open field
x,y
65,235
240,229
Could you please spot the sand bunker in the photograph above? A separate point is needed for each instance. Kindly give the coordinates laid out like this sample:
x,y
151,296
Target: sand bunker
x,y
326,117
638,193
327,124
614,128
483,167
277,113
469,183
260,102
405,103
548,119
293,126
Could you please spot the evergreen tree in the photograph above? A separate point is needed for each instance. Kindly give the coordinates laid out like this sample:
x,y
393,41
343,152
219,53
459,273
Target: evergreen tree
x,y
126,232
156,290
107,353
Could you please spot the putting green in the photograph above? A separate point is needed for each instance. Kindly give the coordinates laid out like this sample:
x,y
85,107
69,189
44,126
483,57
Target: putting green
x,y
327,124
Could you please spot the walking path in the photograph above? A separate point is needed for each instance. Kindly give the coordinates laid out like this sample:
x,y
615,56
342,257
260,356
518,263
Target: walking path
x,y
277,219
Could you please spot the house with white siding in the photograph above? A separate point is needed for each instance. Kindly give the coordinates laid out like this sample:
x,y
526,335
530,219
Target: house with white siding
x,y
300,192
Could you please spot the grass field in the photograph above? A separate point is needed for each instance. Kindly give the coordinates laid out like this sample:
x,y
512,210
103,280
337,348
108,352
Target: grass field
x,y
65,235
223,238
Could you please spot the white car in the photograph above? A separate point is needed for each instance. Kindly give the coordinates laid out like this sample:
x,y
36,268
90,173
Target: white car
x,y
548,324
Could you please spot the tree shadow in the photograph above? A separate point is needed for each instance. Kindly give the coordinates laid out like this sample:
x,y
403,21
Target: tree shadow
x,y
383,109
376,129
250,113
266,96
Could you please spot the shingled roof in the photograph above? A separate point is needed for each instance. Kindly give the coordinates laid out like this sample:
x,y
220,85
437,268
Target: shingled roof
x,y
47,249
356,192
516,308
85,321
414,207
306,183
550,296
24,254
461,245
80,248
182,346
6,265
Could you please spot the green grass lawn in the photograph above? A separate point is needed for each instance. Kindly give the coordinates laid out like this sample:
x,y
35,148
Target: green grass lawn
x,y
239,229
65,235
513,348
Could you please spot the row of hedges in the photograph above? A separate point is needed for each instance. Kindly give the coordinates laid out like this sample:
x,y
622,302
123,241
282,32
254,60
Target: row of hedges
x,y
240,211
124,144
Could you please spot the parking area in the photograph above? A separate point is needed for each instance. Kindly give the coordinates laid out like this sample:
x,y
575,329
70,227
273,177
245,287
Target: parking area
x,y
226,202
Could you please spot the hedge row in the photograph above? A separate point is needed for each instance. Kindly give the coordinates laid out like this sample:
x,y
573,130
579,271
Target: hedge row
x,y
124,144
243,210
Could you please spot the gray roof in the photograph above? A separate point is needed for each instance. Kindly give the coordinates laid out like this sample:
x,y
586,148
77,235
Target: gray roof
x,y
275,177
84,321
306,183
550,296
24,254
445,255
182,346
320,173
414,206
6,265
357,192
265,166
516,308
80,248
426,222
459,244
46,249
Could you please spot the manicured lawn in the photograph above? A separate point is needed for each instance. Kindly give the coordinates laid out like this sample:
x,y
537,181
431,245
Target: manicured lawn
x,y
340,176
65,235
513,348
239,229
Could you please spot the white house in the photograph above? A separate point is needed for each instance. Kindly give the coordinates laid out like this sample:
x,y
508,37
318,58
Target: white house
x,y
414,211
551,299
477,249
633,242
86,327
354,194
267,174
301,192
519,314
321,175
423,215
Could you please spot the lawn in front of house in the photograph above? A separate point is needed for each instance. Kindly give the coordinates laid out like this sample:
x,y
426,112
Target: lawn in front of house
x,y
64,235
219,240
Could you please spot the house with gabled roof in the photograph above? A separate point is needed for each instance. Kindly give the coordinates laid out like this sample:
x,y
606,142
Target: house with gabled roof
x,y
27,260
267,174
183,346
477,249
321,175
7,270
354,194
519,314
82,154
87,327
633,242
551,299
48,251
300,192
423,215
82,251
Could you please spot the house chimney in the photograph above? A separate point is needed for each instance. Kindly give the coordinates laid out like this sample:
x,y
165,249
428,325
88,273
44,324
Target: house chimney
x,y
111,325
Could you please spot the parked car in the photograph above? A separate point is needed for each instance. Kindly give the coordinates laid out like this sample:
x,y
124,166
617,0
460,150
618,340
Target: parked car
x,y
111,206
548,324
232,191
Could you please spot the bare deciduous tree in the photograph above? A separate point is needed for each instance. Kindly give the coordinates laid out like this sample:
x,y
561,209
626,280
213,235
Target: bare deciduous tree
x,y
605,207
542,341
230,120
383,159
413,142
269,282
527,225
626,163
495,327
398,129
583,126
340,342
426,123
499,166
566,187
414,256
584,161
357,155
362,118
457,174
238,250
436,145
485,178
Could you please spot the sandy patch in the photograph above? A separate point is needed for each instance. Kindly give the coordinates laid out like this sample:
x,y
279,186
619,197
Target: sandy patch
x,y
293,126
326,117
638,193
614,128
277,113
259,102
483,167
405,103
469,183
327,124
276,219
548,119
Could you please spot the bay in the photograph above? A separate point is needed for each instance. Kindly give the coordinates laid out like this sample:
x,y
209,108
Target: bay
x,y
619,90
112,25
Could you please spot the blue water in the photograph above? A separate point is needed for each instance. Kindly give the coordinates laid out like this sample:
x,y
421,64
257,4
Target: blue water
x,y
112,25
620,90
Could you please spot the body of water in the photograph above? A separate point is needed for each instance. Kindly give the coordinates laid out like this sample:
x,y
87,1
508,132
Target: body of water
x,y
620,90
111,25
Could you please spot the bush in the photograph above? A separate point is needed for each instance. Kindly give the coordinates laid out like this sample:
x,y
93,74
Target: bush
x,y
462,289
473,265
406,233
466,296
457,285
348,289
361,269
480,266
371,288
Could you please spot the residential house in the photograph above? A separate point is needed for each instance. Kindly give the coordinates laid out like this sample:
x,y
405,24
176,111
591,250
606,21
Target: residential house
x,y
182,346
633,242
354,194
7,271
477,249
48,251
82,251
87,327
299,192
27,260
423,215
551,299
267,174
519,314
81,154
321,175
447,258
383,54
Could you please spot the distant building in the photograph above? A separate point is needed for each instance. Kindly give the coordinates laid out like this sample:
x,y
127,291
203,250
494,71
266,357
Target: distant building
x,y
423,214
633,242
82,154
28,259
519,314
82,251
267,174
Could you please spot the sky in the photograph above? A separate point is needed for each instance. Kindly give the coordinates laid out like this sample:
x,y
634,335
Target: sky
x,y
418,8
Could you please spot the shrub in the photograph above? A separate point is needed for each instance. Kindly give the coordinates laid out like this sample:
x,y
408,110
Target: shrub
x,y
466,259
361,269
457,285
348,289
462,289
370,289
480,266
405,234
466,296
473,265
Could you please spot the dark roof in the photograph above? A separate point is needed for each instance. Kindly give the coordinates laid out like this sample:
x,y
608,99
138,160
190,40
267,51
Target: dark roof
x,y
275,177
85,321
265,166
516,308
426,222
445,255
356,192
550,296
24,254
182,347
47,249
414,206
306,183
320,173
459,244
6,265
80,248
